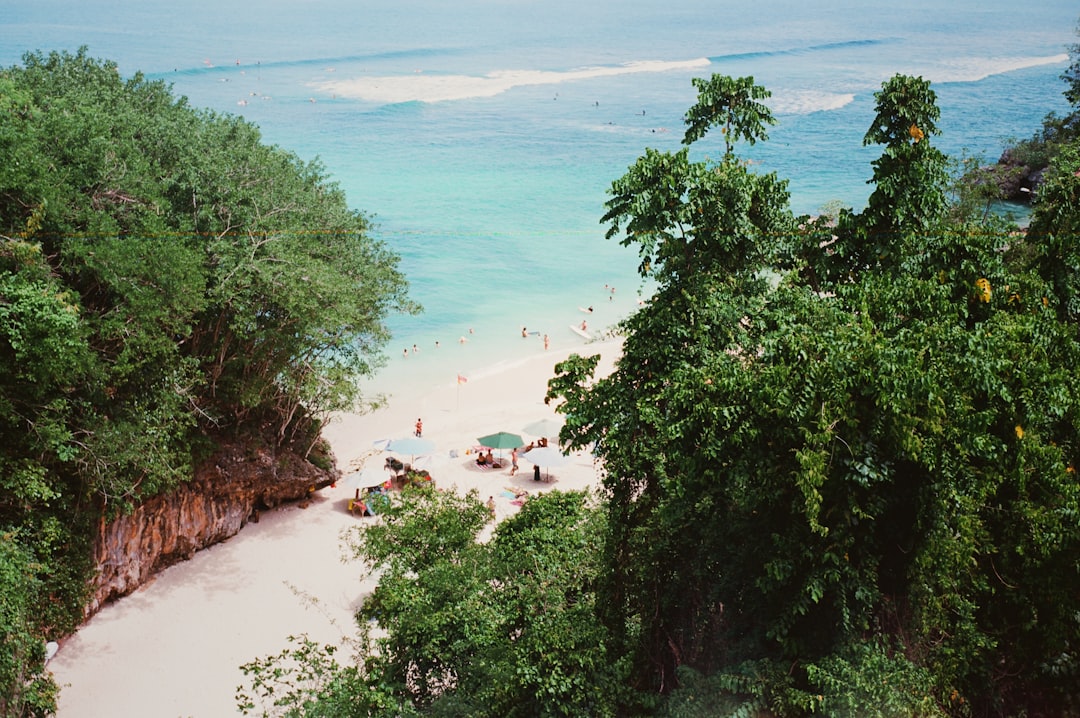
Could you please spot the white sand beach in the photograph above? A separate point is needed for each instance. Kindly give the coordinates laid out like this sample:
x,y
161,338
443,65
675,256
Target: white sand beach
x,y
174,647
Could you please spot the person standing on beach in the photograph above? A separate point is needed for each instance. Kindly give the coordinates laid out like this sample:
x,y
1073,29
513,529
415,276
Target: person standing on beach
x,y
419,428
547,342
491,506
513,462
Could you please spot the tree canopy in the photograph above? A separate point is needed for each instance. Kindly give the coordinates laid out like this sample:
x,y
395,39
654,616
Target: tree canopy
x,y
861,470
166,279
459,625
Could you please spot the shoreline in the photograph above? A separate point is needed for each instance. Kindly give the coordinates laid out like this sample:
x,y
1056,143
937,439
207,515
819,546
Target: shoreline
x,y
474,351
174,646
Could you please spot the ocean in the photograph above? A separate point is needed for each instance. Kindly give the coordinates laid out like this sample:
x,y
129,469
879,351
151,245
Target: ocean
x,y
482,135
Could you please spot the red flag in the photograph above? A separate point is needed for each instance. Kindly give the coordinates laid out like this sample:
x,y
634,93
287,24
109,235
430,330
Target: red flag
x,y
461,379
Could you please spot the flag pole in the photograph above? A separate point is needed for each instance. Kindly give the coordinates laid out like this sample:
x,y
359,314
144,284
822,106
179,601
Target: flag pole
x,y
461,379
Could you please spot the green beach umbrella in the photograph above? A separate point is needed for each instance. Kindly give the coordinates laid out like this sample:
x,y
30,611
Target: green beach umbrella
x,y
501,440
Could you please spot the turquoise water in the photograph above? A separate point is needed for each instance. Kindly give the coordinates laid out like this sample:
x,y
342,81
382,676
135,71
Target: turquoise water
x,y
482,135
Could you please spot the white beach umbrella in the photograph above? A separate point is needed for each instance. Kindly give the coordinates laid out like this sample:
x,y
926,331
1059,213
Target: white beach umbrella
x,y
543,427
367,476
547,456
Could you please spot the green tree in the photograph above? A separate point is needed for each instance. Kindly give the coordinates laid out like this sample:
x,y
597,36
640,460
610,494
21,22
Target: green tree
x,y
219,282
1054,231
502,627
167,281
733,104
910,186
25,687
707,233
861,470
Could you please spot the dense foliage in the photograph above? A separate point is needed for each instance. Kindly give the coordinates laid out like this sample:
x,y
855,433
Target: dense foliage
x,y
166,280
841,462
458,625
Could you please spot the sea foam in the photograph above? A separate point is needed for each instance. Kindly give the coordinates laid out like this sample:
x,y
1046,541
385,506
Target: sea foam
x,y
974,69
803,102
430,87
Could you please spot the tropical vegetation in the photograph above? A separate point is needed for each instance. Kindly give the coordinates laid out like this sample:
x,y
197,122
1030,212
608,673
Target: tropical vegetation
x,y
841,451
168,281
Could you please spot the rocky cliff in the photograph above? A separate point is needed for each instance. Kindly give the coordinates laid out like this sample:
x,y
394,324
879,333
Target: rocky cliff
x,y
227,491
1016,179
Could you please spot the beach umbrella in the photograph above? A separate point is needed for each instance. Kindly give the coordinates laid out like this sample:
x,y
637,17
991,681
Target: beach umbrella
x,y
546,456
367,476
411,445
543,427
430,461
501,440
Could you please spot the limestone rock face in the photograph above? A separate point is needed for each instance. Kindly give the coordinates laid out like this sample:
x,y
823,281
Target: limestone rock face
x,y
228,490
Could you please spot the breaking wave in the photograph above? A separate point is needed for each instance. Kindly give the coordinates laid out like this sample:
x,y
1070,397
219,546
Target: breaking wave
x,y
431,87
803,102
974,69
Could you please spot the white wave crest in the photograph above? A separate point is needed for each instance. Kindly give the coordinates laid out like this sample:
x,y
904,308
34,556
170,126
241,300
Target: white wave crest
x,y
974,69
421,87
803,102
